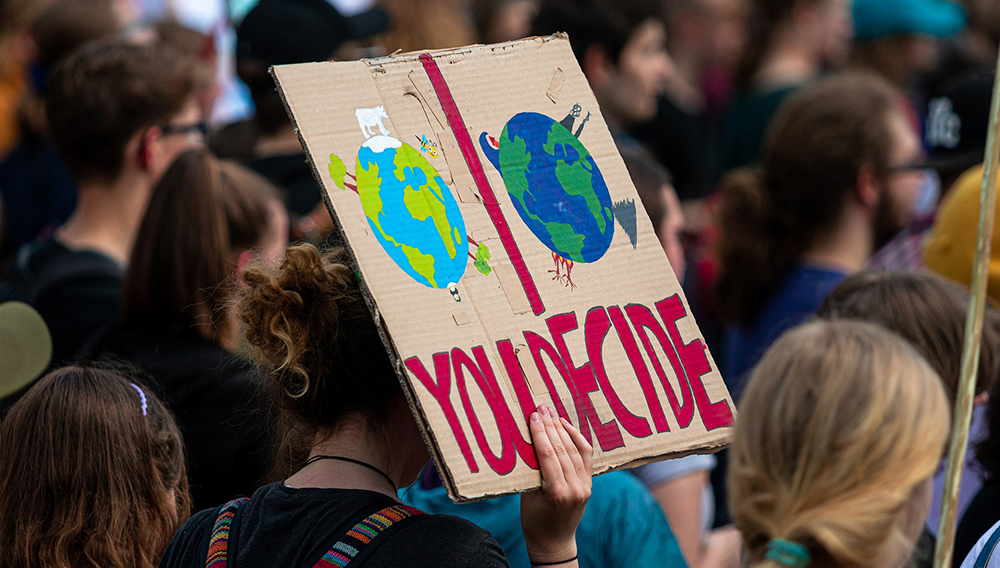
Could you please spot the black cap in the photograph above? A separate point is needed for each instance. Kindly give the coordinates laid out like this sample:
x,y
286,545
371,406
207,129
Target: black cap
x,y
278,32
957,123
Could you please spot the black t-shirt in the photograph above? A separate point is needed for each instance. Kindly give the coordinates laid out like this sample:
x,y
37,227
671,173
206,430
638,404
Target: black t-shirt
x,y
76,292
213,393
281,527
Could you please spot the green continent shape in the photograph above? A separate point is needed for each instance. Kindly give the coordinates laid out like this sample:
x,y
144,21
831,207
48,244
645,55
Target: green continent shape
x,y
422,196
369,187
482,259
422,263
516,179
337,170
566,238
572,177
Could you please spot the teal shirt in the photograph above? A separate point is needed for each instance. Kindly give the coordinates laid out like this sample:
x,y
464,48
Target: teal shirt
x,y
622,526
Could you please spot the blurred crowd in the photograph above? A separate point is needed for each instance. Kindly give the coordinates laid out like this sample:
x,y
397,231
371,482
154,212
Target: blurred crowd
x,y
180,328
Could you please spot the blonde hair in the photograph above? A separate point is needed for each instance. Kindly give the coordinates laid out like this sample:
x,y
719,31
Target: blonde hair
x,y
839,425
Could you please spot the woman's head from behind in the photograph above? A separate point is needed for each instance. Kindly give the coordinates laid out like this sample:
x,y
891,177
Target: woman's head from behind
x,y
310,329
91,474
205,219
841,427
926,310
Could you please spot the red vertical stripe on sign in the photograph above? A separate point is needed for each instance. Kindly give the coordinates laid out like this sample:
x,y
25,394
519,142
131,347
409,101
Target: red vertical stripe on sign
x,y
485,191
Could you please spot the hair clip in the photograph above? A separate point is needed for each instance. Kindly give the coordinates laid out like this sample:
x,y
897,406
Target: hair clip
x,y
142,397
788,553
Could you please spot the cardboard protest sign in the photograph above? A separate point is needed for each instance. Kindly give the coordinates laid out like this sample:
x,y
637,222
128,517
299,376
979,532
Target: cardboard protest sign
x,y
507,258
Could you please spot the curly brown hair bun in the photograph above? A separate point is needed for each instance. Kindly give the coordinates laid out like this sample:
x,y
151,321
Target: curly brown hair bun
x,y
313,335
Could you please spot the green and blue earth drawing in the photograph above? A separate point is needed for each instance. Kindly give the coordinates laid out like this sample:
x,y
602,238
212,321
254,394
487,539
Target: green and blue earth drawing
x,y
555,186
553,181
410,210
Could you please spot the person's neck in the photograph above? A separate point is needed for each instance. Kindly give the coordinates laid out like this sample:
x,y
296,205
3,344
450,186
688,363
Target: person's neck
x,y
788,62
847,247
107,217
351,440
281,143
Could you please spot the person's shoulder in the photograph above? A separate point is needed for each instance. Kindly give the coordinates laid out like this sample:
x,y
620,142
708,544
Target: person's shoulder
x,y
986,546
445,541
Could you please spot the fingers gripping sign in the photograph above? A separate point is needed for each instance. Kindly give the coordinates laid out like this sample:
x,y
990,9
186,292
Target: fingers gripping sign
x,y
550,515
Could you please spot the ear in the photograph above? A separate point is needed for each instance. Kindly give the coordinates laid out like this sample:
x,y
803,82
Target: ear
x,y
597,66
241,264
867,191
148,150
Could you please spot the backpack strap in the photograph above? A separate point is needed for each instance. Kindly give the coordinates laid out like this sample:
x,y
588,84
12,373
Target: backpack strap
x,y
363,538
218,544
984,556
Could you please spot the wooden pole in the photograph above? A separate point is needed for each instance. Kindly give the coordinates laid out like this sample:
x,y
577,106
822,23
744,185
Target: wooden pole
x,y
973,339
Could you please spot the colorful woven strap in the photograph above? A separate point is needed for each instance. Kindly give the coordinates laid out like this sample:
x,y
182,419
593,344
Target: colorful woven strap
x,y
362,534
218,546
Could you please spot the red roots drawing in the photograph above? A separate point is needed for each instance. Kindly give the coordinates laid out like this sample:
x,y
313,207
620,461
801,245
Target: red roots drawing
x,y
566,279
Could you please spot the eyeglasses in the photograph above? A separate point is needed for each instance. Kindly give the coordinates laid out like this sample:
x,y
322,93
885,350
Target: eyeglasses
x,y
200,128
908,168
913,166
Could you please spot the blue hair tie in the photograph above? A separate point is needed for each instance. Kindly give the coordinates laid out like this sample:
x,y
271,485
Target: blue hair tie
x,y
787,553
142,397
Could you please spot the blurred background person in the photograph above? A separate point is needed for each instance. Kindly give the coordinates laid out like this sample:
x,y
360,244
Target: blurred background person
x,y
16,53
119,113
504,20
37,189
704,39
835,184
621,47
901,39
790,44
206,219
427,24
278,32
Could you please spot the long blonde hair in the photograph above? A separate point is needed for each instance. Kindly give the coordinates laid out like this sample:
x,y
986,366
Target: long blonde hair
x,y
841,422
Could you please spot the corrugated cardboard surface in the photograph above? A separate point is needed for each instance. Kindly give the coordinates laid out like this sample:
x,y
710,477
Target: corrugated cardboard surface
x,y
426,325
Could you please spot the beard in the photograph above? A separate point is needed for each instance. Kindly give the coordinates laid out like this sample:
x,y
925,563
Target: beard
x,y
887,222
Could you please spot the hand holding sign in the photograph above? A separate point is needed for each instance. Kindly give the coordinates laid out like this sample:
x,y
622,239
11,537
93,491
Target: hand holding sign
x,y
549,516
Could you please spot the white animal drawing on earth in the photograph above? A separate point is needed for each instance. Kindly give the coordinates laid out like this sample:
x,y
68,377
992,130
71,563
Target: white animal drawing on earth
x,y
369,118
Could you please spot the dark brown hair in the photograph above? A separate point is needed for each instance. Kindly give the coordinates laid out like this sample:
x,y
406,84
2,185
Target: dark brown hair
x,y
764,19
816,146
270,115
87,480
201,211
311,332
61,27
67,24
105,93
926,310
606,23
